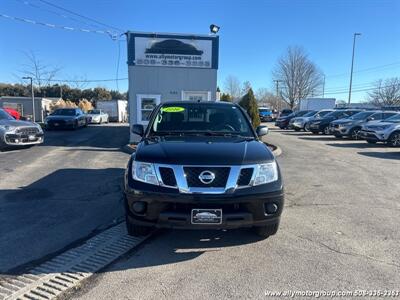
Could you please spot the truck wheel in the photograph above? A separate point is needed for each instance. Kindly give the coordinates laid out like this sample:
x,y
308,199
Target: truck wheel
x,y
136,230
266,231
394,139
355,133
307,127
326,130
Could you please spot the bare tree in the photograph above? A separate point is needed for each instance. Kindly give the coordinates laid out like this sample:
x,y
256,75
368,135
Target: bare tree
x,y
245,87
42,74
265,97
299,76
386,92
232,86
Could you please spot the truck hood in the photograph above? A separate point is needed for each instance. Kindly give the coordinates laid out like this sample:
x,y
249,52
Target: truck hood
x,y
17,123
203,151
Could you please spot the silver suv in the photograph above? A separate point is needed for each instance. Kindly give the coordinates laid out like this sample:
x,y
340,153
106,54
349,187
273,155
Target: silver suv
x,y
387,131
18,133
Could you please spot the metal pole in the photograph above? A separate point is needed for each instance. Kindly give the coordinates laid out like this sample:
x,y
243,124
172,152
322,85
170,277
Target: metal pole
x,y
352,64
323,88
33,101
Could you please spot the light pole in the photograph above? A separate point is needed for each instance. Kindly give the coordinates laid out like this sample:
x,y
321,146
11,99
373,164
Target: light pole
x,y
352,64
33,97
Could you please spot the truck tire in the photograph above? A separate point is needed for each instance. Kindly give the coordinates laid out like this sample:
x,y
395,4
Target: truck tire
x,y
136,230
394,139
266,231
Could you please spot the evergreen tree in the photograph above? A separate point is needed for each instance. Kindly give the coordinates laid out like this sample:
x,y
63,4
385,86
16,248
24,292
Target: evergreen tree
x,y
226,98
249,103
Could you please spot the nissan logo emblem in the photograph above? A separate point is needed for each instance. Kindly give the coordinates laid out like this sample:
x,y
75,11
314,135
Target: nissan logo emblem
x,y
206,177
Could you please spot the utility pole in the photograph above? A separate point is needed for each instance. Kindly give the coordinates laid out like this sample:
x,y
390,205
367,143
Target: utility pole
x,y
352,64
323,88
33,97
277,92
61,91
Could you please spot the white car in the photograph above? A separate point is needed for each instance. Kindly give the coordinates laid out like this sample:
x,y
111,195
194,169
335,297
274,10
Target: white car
x,y
97,116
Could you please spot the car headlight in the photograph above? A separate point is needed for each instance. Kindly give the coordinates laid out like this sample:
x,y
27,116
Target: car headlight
x,y
39,128
144,172
383,127
7,128
266,173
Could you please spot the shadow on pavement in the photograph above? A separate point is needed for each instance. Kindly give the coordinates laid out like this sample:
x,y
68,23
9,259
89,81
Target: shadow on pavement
x,y
104,136
174,246
382,155
318,138
355,144
55,211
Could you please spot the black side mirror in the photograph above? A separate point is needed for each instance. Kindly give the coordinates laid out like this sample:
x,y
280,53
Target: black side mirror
x,y
138,129
261,131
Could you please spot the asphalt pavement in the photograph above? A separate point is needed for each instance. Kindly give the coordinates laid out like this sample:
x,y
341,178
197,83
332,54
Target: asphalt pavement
x,y
55,194
340,231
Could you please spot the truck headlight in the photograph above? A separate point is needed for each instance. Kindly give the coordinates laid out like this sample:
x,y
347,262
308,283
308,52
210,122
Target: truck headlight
x,y
7,128
266,173
144,172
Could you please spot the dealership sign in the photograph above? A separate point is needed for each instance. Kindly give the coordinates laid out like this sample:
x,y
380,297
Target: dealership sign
x,y
173,51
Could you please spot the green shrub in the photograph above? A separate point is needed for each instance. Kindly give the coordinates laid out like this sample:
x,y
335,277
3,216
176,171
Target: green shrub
x,y
249,103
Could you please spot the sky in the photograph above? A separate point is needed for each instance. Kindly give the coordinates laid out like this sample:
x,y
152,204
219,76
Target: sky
x,y
253,35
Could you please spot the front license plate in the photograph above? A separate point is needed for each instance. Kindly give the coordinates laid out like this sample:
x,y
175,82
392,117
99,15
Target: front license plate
x,y
206,216
56,124
31,137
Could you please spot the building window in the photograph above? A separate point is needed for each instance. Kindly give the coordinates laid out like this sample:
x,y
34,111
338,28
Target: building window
x,y
145,105
196,95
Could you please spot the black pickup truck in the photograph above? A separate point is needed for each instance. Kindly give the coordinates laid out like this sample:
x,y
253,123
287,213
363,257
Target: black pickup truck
x,y
201,165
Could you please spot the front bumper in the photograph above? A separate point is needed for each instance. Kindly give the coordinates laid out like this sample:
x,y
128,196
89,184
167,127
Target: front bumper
x,y
173,210
266,118
282,124
338,130
298,125
377,136
60,124
17,139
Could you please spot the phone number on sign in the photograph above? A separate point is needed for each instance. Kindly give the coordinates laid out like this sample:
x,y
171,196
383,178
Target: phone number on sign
x,y
321,293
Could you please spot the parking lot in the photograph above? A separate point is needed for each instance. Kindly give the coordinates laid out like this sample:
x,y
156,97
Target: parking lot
x,y
339,229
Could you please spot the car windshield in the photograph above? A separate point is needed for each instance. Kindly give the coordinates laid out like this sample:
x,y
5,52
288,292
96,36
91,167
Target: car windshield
x,y
5,116
64,112
94,112
336,113
394,119
310,114
301,113
200,118
361,115
264,110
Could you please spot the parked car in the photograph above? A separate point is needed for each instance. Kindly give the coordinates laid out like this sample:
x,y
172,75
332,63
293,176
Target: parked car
x,y
13,113
18,133
350,127
97,116
322,124
297,123
285,112
201,165
283,122
386,131
265,114
66,118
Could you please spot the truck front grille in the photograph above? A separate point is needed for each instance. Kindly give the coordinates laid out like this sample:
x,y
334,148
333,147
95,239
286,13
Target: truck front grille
x,y
28,130
245,176
192,176
167,176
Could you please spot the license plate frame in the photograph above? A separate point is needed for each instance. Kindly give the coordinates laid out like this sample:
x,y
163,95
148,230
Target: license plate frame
x,y
206,216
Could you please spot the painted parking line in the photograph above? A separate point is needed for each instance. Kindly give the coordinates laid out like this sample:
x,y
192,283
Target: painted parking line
x,y
65,271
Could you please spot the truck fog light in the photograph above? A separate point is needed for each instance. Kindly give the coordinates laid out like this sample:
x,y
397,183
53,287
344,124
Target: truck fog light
x,y
16,140
270,208
139,207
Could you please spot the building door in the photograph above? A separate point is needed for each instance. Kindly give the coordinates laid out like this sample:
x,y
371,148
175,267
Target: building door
x,y
145,105
196,95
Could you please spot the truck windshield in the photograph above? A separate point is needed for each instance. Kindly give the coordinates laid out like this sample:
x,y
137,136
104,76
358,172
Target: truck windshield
x,y
310,113
200,118
394,119
264,110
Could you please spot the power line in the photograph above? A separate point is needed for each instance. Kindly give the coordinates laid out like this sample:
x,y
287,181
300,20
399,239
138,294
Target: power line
x,y
89,80
64,16
81,16
107,32
366,70
360,90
